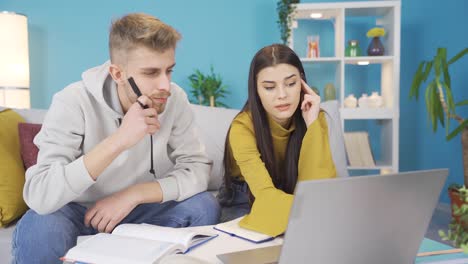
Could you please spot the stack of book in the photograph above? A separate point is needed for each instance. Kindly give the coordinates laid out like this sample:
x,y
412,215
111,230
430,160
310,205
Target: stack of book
x,y
358,149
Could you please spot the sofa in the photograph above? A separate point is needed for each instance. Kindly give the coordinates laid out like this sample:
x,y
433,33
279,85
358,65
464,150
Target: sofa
x,y
212,124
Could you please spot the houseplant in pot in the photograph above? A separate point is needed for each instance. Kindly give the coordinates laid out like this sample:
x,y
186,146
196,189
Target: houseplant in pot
x,y
441,107
207,89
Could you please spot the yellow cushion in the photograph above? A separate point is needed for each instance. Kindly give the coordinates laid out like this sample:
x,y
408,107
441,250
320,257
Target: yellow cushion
x,y
12,204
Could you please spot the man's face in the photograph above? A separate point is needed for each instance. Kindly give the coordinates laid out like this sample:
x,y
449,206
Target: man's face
x,y
151,71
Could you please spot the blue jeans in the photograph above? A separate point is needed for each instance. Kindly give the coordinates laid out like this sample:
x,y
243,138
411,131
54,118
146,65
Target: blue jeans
x,y
234,199
46,238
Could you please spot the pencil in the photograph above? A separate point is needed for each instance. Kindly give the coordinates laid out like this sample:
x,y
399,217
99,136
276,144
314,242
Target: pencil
x,y
440,252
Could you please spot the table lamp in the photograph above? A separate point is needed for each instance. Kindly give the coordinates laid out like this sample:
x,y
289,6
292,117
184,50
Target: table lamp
x,y
14,60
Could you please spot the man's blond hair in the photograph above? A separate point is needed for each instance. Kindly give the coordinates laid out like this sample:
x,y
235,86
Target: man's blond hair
x,y
136,30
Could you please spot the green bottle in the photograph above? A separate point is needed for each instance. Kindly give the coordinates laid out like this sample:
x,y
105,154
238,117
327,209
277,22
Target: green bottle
x,y
330,92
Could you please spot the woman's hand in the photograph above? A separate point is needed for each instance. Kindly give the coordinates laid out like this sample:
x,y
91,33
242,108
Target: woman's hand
x,y
310,105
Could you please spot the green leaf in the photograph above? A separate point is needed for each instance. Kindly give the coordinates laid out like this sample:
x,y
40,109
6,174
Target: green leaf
x,y
428,100
427,70
458,56
458,130
445,69
438,62
450,101
414,90
465,248
434,99
462,103
438,109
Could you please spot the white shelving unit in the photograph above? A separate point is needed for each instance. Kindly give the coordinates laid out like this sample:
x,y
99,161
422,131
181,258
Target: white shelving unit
x,y
388,15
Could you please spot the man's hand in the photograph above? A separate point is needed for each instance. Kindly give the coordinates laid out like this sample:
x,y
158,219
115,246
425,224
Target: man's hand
x,y
310,106
138,122
110,211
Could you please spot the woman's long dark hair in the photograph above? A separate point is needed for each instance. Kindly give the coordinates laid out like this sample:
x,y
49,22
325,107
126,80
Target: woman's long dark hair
x,y
285,180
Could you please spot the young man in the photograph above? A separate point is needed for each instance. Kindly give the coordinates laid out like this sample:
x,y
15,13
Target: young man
x,y
99,141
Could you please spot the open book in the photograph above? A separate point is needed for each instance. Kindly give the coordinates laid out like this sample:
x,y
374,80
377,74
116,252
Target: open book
x,y
232,228
137,243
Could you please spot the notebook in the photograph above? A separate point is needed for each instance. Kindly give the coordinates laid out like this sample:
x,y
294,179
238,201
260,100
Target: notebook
x,y
137,243
354,220
232,228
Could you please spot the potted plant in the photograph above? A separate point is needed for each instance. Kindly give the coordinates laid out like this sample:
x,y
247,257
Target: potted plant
x,y
285,9
207,89
441,106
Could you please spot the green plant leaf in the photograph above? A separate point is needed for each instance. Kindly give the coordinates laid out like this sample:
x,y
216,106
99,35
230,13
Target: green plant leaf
x,y
427,70
458,129
414,90
449,95
462,103
438,63
431,93
438,109
458,56
464,247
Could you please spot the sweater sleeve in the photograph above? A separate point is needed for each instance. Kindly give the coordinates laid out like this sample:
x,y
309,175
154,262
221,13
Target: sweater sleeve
x,y
60,175
315,159
270,211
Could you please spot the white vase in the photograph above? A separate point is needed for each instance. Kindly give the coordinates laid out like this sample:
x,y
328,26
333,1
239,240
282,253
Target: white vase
x,y
375,100
350,101
363,101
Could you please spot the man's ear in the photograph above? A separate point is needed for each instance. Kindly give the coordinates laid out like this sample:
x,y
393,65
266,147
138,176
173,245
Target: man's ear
x,y
117,74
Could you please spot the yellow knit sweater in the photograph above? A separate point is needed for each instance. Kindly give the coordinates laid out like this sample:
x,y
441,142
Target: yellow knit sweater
x,y
270,210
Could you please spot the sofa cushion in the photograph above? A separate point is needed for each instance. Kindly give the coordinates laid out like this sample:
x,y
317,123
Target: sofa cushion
x,y
12,204
213,124
29,150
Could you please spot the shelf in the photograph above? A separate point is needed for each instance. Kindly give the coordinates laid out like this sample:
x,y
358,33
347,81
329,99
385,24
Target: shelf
x,y
366,113
321,60
341,22
370,59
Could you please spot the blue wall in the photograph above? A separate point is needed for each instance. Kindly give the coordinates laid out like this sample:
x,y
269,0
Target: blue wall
x,y
67,37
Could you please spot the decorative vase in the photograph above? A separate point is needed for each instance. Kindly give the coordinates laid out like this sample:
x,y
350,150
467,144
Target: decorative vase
x,y
315,89
350,101
363,101
375,100
353,49
376,47
330,92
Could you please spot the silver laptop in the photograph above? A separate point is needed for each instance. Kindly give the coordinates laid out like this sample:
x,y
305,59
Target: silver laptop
x,y
366,219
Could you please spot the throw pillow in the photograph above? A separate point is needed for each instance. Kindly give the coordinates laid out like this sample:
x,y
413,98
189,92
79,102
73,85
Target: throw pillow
x,y
27,132
12,204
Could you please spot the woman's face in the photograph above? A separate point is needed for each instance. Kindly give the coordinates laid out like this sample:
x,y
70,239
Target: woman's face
x,y
279,89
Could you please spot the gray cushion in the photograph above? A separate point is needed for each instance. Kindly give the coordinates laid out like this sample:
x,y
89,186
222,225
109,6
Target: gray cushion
x,y
335,135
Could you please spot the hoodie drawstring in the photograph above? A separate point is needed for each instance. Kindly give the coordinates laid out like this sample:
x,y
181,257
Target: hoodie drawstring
x,y
151,154
152,164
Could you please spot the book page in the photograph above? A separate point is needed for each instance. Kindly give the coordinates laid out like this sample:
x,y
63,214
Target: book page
x,y
233,228
182,236
107,248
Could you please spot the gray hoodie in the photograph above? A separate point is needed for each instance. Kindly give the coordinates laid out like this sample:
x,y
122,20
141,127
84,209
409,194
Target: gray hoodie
x,y
84,114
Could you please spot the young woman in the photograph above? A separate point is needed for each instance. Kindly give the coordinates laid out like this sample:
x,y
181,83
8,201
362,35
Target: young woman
x,y
279,137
